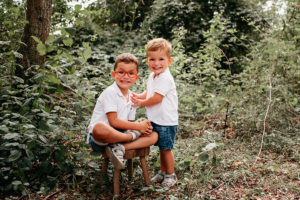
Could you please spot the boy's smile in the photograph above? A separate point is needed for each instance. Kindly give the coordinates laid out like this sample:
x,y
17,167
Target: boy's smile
x,y
158,61
125,76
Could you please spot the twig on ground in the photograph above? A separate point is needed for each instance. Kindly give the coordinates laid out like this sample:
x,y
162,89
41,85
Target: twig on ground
x,y
52,194
264,130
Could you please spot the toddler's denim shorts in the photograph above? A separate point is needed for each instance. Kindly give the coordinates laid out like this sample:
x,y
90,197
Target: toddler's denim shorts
x,y
166,136
97,147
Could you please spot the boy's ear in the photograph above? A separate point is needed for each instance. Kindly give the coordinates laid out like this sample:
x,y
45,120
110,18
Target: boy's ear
x,y
170,61
146,60
113,74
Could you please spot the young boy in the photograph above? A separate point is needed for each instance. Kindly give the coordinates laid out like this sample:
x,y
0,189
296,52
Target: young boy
x,y
161,103
110,128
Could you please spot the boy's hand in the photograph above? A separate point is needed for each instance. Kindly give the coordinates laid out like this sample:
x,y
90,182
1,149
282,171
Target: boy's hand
x,y
134,95
136,101
145,127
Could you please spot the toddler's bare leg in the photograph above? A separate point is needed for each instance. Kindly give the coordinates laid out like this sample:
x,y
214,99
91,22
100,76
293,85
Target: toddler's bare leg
x,y
167,161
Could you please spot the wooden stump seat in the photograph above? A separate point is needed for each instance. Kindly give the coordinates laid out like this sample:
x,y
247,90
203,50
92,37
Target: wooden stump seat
x,y
129,155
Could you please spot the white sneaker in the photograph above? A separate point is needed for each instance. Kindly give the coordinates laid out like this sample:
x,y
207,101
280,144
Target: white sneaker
x,y
116,153
159,177
169,180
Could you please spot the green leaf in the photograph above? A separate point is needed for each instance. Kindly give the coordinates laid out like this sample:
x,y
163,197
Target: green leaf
x,y
52,78
11,136
16,183
87,53
18,55
4,128
14,155
78,7
50,39
12,144
4,42
203,157
41,48
68,41
85,44
93,165
36,39
69,121
43,139
210,147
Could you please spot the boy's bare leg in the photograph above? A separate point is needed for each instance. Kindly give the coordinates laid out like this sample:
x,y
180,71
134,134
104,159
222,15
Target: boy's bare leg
x,y
142,142
167,161
106,134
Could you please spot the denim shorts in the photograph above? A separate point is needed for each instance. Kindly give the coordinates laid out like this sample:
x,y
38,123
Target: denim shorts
x,y
166,136
97,147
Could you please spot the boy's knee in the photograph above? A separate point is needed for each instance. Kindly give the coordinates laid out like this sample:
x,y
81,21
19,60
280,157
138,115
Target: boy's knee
x,y
154,136
99,131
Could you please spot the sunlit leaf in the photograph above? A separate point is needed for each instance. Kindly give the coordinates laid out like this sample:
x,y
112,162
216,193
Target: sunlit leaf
x,y
41,48
68,41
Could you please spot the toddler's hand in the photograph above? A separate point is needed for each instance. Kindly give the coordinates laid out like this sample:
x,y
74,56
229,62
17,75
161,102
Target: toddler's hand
x,y
136,102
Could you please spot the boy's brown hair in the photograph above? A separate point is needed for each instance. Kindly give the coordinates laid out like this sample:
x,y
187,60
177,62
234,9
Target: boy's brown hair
x,y
127,58
159,44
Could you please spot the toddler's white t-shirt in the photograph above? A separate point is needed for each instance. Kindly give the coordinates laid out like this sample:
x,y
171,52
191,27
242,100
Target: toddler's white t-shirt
x,y
164,113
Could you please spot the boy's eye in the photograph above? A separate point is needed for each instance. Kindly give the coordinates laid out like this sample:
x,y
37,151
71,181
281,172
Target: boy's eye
x,y
131,73
121,73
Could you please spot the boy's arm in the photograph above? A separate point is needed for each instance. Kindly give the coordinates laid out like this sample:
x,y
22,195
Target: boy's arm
x,y
144,126
155,99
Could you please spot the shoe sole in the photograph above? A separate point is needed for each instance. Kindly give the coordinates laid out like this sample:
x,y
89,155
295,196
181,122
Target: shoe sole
x,y
168,185
115,161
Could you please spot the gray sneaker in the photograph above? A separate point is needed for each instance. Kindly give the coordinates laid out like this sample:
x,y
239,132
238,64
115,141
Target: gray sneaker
x,y
116,153
159,177
169,180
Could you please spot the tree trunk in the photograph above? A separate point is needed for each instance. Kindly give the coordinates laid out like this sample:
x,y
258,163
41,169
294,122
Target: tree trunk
x,y
38,15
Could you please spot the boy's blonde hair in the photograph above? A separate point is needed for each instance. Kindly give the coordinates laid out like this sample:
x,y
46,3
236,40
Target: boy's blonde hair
x,y
159,44
127,58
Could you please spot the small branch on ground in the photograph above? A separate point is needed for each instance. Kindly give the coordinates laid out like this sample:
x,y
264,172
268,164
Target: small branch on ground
x,y
52,194
264,130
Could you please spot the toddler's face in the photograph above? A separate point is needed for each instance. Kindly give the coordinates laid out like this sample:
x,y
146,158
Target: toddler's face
x,y
158,61
125,75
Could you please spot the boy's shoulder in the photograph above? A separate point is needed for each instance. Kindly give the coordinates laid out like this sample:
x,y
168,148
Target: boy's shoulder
x,y
166,76
108,90
112,90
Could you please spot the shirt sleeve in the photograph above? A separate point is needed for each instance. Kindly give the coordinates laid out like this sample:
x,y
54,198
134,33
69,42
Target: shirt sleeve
x,y
162,85
109,102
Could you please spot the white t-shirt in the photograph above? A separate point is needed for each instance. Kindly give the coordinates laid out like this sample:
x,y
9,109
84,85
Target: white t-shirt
x,y
111,100
164,113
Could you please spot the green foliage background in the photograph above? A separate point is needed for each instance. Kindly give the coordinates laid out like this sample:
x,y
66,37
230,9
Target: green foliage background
x,y
231,59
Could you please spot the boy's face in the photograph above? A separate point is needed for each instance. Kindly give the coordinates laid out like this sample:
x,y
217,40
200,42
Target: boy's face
x,y
125,75
158,61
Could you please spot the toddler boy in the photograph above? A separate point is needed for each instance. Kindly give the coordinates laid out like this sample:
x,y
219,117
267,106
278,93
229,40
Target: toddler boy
x,y
161,103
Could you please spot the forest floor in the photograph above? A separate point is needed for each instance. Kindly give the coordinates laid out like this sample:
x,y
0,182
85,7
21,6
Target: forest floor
x,y
209,166
232,170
